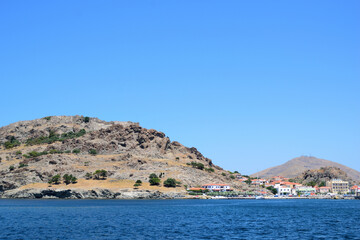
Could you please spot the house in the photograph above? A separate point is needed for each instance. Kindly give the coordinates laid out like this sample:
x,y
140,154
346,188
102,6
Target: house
x,y
354,189
324,190
305,190
283,190
258,181
217,187
338,186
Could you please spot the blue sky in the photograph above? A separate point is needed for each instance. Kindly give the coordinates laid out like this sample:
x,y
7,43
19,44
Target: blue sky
x,y
251,84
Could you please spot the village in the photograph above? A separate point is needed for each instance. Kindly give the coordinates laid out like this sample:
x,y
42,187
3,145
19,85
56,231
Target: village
x,y
278,187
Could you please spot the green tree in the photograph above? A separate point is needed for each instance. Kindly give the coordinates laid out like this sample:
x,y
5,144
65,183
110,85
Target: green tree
x,y
154,180
88,175
100,174
86,119
272,189
232,176
139,182
170,182
248,181
73,179
55,179
67,179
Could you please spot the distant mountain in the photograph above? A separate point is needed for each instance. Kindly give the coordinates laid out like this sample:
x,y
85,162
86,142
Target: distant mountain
x,y
297,166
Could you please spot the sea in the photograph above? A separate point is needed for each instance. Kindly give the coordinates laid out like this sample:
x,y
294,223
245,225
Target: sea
x,y
179,219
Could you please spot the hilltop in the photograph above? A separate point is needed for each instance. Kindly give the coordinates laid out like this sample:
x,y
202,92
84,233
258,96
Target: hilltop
x,y
297,166
32,152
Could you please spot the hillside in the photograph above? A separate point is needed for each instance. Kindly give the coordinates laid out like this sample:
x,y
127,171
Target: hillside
x,y
32,152
321,176
297,166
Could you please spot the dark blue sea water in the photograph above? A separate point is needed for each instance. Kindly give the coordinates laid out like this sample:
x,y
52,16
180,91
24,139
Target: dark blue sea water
x,y
179,219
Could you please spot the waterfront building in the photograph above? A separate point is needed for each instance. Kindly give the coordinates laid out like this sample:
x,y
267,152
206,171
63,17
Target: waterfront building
x,y
305,190
354,189
217,187
324,190
338,186
283,190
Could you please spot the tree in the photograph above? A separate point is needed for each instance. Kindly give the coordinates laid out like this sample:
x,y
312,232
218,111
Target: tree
x,y
86,119
248,181
154,180
232,176
272,189
170,182
67,179
88,175
55,179
73,179
100,174
139,182
322,184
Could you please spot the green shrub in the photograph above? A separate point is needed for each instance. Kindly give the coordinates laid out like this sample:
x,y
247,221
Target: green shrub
x,y
86,119
224,174
170,182
197,165
209,170
92,151
53,137
12,143
76,151
11,168
22,165
232,176
47,118
139,182
18,153
137,185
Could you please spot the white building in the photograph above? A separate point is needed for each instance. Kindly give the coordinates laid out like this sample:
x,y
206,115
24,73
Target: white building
x,y
217,187
283,190
305,190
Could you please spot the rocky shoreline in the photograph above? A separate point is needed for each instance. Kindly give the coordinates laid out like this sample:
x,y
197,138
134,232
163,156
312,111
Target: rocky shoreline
x,y
88,194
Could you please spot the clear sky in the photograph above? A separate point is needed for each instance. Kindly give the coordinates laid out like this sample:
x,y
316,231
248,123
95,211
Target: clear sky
x,y
251,84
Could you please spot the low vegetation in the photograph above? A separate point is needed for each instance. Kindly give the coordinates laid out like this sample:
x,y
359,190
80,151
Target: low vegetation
x,y
11,143
197,165
53,137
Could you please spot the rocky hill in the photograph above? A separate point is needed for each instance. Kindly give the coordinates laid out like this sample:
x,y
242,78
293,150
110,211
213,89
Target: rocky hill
x,y
297,166
322,175
32,152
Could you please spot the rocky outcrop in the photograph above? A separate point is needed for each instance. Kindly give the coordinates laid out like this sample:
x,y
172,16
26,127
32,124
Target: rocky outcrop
x,y
322,175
